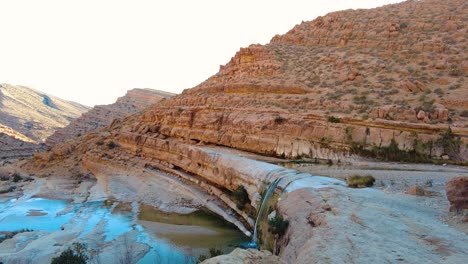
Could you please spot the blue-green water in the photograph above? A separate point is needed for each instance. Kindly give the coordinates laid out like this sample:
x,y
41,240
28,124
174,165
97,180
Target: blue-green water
x,y
173,238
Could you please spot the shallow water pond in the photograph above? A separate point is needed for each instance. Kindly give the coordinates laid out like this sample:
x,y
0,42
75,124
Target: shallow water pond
x,y
173,238
195,233
35,213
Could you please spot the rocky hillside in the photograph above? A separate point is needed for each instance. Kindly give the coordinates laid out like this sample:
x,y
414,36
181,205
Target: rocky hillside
x,y
34,114
14,144
28,117
286,100
102,115
352,80
385,83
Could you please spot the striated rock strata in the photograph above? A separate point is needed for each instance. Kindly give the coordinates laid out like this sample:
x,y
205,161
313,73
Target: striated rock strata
x,y
102,115
387,80
34,114
28,117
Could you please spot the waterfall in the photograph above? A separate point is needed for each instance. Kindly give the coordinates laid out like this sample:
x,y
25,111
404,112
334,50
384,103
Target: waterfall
x,y
266,201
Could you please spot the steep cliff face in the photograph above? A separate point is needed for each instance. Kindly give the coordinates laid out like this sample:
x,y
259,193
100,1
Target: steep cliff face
x,y
102,115
351,79
385,82
287,98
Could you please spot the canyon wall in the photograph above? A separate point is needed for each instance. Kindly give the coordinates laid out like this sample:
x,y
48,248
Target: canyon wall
x,y
102,115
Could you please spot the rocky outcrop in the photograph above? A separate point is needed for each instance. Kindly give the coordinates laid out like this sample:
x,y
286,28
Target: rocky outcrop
x,y
336,224
331,89
34,114
457,193
28,117
11,147
245,256
372,69
102,115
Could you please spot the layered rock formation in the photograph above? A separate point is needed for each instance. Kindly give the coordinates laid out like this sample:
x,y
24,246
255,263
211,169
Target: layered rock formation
x,y
457,193
102,115
279,100
352,78
11,147
28,117
385,82
34,114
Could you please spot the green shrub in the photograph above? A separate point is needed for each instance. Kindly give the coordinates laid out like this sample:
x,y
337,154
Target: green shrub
x,y
213,253
333,119
241,197
279,120
455,70
111,144
277,225
4,178
10,189
464,113
75,255
11,234
450,143
393,153
358,181
16,177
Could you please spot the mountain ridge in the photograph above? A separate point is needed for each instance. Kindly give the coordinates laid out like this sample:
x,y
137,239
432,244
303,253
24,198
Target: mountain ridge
x,y
100,116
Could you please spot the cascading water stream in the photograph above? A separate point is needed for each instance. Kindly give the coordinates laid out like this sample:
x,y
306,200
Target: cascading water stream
x,y
265,204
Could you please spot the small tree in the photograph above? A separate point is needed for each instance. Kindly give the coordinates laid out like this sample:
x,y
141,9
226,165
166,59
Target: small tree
x,y
358,181
241,196
277,225
16,177
333,119
111,144
450,143
74,255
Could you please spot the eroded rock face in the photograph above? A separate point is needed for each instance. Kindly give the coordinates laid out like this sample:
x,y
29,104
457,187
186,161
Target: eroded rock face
x,y
370,68
340,225
246,256
102,115
28,117
33,113
457,193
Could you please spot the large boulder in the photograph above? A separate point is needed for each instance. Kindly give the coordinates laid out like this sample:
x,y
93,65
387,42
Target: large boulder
x,y
457,193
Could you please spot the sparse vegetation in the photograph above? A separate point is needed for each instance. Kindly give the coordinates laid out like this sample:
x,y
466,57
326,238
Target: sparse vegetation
x,y
10,189
9,235
333,119
16,177
4,178
455,70
73,255
279,120
450,143
362,100
111,144
241,197
277,225
393,153
213,252
359,181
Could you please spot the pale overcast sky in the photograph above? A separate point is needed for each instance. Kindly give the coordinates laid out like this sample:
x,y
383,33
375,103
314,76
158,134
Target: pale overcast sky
x,y
93,51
